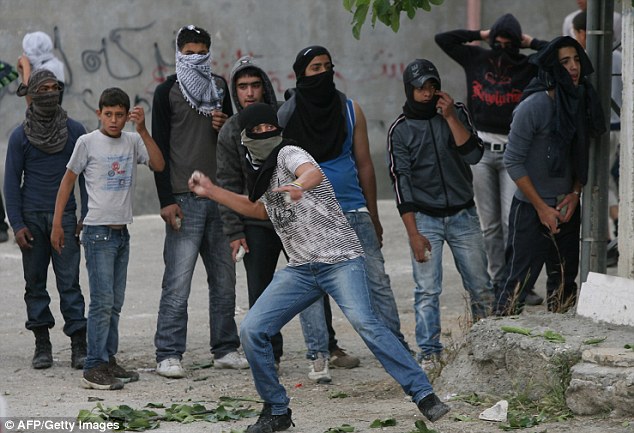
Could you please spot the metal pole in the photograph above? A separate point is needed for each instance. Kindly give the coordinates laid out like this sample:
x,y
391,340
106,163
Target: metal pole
x,y
594,226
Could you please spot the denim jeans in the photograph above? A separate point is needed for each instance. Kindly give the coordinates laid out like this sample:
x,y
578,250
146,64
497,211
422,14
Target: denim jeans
x,y
260,264
200,233
493,189
35,263
295,288
107,252
530,246
381,295
462,233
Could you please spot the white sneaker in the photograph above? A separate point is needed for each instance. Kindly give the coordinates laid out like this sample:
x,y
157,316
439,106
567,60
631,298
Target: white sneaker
x,y
170,367
232,360
319,371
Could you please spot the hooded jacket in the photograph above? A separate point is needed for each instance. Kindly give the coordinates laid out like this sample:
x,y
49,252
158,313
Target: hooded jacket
x,y
231,154
430,174
495,77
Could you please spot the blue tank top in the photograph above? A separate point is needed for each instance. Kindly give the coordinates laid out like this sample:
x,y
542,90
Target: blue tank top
x,y
342,170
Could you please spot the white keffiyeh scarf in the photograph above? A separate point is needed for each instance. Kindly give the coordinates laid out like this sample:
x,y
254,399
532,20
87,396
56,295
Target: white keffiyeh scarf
x,y
197,83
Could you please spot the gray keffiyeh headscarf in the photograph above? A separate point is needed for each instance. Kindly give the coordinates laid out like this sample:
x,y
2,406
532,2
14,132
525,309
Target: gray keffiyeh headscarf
x,y
45,123
197,82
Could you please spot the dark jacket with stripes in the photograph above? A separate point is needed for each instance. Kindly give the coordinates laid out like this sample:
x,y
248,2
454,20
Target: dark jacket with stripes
x,y
430,174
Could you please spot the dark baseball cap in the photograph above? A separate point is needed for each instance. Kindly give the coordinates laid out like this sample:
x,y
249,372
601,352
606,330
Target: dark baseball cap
x,y
419,71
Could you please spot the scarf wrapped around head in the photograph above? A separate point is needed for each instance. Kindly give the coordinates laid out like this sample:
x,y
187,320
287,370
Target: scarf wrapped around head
x,y
45,123
318,124
197,83
578,113
262,148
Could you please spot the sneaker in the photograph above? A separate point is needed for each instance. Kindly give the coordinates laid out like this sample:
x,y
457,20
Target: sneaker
x,y
232,360
170,367
431,363
433,408
319,370
339,358
120,373
100,378
268,423
533,298
78,349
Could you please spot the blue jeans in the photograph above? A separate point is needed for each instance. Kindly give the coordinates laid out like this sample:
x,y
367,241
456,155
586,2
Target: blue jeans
x,y
462,233
35,263
295,288
493,189
107,252
260,264
381,295
530,246
200,233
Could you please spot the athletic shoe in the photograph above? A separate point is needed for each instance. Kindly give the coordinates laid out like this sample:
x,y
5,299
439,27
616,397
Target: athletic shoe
x,y
232,360
170,367
101,378
319,370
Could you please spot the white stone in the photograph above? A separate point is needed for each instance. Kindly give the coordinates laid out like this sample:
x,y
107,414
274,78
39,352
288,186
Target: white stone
x,y
605,298
497,412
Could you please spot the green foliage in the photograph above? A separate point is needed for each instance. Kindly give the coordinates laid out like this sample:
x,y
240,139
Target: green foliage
x,y
595,340
338,394
516,330
387,12
378,423
140,420
344,428
629,346
553,336
421,427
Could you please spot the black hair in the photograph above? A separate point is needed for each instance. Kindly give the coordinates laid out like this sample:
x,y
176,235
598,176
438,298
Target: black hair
x,y
579,21
249,71
192,34
113,97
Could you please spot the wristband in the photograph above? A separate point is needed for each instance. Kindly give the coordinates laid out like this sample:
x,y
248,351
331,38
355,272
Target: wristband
x,y
296,185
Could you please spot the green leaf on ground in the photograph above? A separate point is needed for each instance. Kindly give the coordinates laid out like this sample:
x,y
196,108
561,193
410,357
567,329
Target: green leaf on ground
x,y
342,429
516,330
595,340
421,427
338,394
378,423
553,336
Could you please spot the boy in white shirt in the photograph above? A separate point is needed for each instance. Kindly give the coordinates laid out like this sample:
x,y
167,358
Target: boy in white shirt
x,y
108,158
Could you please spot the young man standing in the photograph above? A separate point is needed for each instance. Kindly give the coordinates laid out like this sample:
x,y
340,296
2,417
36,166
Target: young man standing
x,y
547,157
108,159
430,148
189,109
333,130
325,257
36,160
495,80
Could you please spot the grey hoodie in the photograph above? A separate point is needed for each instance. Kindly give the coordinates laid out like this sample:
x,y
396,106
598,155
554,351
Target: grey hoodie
x,y
231,154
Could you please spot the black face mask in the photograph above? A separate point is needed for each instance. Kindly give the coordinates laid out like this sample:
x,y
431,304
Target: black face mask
x,y
320,88
511,51
419,110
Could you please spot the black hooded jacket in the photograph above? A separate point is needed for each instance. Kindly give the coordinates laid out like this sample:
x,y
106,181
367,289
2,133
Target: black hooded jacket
x,y
495,78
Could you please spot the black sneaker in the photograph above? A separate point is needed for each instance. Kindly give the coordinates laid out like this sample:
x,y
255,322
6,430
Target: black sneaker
x,y
268,423
433,408
533,298
120,373
101,378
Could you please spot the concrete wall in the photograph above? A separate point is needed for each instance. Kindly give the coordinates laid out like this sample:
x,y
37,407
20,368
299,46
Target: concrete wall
x,y
130,44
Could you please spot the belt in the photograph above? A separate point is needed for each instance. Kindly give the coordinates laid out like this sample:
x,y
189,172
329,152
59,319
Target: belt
x,y
495,147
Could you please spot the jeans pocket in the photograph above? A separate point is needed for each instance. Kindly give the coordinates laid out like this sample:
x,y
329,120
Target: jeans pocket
x,y
94,238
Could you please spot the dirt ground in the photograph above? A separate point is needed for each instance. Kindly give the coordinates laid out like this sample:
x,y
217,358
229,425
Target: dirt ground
x,y
55,393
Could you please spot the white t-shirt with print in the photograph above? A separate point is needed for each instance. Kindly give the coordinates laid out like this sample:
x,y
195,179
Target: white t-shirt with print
x,y
109,166
314,228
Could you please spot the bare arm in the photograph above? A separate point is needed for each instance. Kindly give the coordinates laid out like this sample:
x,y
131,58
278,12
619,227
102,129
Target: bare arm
x,y
156,163
65,189
417,242
365,168
204,187
446,104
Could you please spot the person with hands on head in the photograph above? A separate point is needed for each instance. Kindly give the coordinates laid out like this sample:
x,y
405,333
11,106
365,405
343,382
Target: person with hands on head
x,y
188,110
37,153
495,79
108,159
325,257
547,157
430,148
